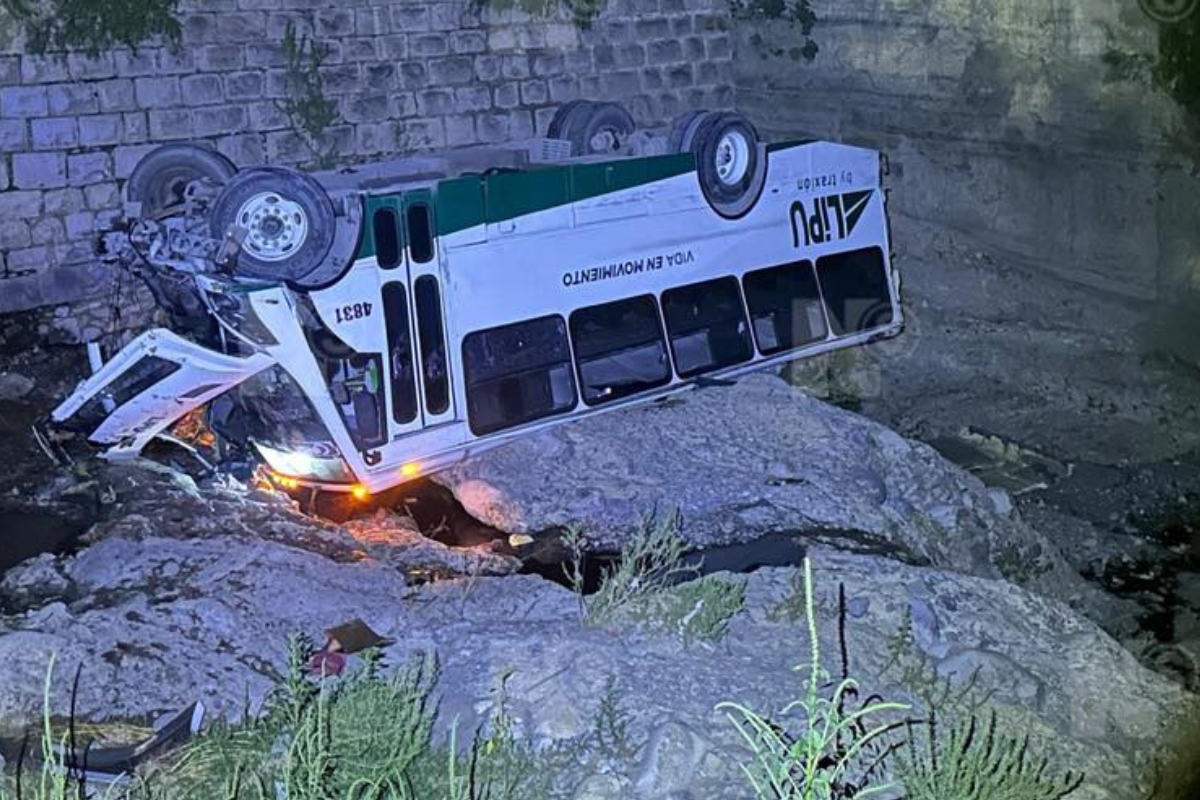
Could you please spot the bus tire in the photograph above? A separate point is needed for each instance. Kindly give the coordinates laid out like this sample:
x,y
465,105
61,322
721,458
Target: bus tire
x,y
730,163
586,122
558,124
682,130
160,178
289,222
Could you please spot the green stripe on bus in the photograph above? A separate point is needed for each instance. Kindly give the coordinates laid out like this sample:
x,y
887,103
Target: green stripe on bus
x,y
470,200
459,204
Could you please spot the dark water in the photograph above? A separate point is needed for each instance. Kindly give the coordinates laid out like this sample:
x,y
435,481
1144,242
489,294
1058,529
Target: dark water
x,y
551,558
442,518
28,532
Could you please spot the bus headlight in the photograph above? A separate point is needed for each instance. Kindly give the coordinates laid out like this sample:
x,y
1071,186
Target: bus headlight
x,y
298,464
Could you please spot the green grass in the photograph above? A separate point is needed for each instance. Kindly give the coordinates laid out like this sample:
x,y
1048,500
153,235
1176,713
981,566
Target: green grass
x,y
910,667
611,729
976,762
650,585
362,736
93,26
699,610
814,748
310,113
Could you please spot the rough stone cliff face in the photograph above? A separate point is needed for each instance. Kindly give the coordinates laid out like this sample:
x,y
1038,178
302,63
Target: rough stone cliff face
x,y
1042,214
1003,120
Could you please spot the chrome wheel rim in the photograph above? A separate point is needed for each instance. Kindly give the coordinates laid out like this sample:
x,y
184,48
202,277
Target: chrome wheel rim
x,y
276,228
732,157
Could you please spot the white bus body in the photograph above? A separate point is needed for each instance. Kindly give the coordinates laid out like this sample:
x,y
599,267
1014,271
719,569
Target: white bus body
x,y
485,307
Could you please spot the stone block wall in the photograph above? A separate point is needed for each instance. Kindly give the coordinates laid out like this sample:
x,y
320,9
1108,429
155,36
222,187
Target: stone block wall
x,y
405,76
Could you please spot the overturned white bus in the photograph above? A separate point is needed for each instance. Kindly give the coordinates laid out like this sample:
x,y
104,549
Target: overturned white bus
x,y
361,328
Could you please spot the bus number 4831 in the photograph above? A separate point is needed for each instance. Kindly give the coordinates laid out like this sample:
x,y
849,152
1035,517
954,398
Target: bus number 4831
x,y
353,312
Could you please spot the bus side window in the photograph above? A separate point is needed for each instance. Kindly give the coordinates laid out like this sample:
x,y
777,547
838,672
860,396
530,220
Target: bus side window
x,y
420,233
785,306
433,344
385,225
620,349
855,286
517,374
707,325
400,354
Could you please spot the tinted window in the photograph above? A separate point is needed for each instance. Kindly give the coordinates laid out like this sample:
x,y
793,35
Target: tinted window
x,y
785,306
707,326
400,354
387,237
433,344
619,348
420,233
518,373
855,287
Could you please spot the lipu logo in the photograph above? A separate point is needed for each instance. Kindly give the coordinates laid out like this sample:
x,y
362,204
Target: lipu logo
x,y
823,226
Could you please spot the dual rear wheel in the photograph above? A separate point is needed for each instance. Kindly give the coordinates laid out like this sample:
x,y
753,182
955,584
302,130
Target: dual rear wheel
x,y
731,164
288,217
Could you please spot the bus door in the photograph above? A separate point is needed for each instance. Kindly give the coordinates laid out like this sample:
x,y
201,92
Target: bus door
x,y
418,357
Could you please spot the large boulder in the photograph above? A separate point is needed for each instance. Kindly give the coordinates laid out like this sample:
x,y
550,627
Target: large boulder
x,y
185,591
156,622
755,458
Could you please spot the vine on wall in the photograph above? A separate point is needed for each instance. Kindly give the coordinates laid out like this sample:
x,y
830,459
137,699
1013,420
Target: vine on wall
x,y
92,26
1174,68
310,113
582,12
796,13
1177,69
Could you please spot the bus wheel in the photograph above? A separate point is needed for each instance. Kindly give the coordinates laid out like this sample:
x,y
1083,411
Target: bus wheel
x,y
288,219
558,124
596,128
682,130
731,165
162,176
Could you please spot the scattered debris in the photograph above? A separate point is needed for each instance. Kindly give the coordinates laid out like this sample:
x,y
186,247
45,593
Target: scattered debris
x,y
109,753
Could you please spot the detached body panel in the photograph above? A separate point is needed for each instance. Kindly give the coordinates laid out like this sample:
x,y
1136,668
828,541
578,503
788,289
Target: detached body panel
x,y
152,382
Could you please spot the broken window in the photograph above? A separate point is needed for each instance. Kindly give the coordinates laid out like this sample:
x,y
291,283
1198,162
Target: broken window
x,y
620,349
707,325
517,374
146,372
785,306
271,411
355,379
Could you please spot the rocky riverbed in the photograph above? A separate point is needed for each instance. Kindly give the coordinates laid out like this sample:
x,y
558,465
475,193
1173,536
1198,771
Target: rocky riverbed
x,y
181,588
